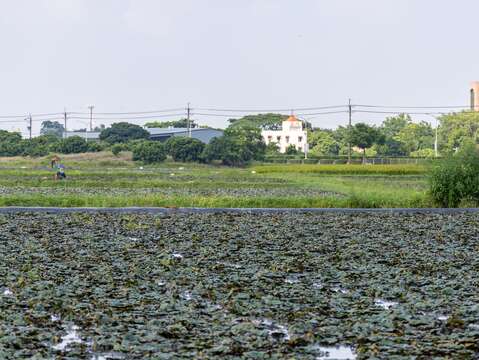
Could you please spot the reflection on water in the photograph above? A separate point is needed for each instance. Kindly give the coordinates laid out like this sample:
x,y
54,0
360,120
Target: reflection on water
x,y
335,353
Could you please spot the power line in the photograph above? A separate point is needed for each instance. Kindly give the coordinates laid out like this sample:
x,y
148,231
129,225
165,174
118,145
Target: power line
x,y
128,118
138,112
398,112
273,110
411,107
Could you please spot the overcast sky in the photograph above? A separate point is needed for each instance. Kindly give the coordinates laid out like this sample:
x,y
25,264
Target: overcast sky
x,y
139,55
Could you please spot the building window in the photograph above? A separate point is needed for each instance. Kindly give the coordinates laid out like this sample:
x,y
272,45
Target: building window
x,y
300,138
278,138
287,139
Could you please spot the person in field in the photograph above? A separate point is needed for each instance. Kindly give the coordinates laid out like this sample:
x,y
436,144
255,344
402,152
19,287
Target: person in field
x,y
60,168
61,172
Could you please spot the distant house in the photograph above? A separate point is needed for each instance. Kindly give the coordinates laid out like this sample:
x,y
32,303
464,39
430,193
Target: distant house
x,y
292,132
87,135
160,134
203,134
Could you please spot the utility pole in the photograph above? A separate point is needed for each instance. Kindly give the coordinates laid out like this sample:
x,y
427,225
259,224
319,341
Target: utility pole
x,y
91,117
65,123
349,131
188,111
30,126
435,142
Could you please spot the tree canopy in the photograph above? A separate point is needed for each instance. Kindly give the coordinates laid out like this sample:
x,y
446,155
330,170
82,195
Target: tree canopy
x,y
455,129
184,149
52,127
123,132
364,136
183,123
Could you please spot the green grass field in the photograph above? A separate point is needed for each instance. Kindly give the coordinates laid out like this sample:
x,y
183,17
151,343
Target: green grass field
x,y
103,180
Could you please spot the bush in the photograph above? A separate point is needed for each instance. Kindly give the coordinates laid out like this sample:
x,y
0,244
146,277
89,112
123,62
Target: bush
x,y
72,145
456,178
225,149
123,132
184,149
94,146
423,153
117,148
149,152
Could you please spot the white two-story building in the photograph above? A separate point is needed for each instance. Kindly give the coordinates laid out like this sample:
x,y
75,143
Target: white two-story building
x,y
292,132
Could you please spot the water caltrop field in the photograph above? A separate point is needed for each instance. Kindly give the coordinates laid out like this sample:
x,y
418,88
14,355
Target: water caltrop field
x,y
229,285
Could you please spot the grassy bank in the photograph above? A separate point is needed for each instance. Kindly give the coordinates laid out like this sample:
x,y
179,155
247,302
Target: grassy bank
x,y
93,181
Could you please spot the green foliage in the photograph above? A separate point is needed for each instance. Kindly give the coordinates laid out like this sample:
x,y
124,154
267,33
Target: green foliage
x,y
322,143
238,146
10,143
364,136
123,132
183,123
149,152
250,141
390,128
291,150
342,169
94,146
53,128
225,149
423,153
270,121
456,129
117,148
184,148
72,145
414,137
456,178
272,148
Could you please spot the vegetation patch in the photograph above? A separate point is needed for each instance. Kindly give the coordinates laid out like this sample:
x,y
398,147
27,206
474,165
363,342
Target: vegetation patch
x,y
229,285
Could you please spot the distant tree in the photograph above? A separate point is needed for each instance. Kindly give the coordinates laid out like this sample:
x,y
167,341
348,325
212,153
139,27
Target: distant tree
x,y
365,136
415,136
455,129
94,146
52,127
184,148
249,139
40,145
423,153
72,145
270,121
225,149
238,146
322,143
272,148
11,143
183,123
391,127
149,152
117,148
123,132
291,150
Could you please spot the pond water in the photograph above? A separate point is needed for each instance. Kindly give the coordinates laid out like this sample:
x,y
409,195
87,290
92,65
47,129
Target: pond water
x,y
7,292
385,304
71,337
335,353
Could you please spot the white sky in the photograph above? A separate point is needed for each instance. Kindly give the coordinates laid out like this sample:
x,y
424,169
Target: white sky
x,y
139,55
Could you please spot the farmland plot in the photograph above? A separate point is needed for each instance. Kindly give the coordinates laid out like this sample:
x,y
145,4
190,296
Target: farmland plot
x,y
232,285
